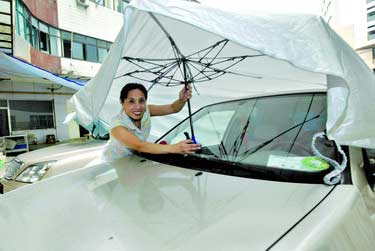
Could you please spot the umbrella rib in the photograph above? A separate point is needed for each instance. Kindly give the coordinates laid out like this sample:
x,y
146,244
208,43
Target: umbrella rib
x,y
210,48
174,45
155,65
148,59
215,75
199,72
146,70
222,71
175,48
240,58
227,58
171,67
168,84
207,64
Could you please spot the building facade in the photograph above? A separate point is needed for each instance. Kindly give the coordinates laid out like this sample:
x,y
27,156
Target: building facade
x,y
70,38
354,21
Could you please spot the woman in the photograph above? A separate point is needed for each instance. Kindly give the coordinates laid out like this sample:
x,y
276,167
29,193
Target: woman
x,y
131,127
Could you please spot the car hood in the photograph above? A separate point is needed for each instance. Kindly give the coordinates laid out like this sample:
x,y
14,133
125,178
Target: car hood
x,y
137,204
62,151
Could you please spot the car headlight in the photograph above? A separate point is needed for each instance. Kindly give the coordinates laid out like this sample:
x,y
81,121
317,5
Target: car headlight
x,y
35,172
12,168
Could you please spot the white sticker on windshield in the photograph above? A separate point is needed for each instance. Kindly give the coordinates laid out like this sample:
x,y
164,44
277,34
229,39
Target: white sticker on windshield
x,y
311,163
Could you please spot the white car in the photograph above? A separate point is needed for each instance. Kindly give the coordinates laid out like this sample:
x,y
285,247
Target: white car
x,y
255,185
31,167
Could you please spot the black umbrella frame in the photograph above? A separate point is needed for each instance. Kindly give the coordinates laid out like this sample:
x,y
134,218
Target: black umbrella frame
x,y
200,66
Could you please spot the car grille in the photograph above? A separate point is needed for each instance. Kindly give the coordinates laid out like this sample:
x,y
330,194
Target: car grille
x,y
12,169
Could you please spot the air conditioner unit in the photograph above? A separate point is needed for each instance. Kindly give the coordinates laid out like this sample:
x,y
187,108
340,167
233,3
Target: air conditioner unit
x,y
84,3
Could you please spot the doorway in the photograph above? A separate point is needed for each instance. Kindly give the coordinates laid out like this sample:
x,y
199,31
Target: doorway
x,y
4,122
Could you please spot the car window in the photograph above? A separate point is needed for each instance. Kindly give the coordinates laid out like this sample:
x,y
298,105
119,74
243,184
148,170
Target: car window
x,y
210,127
267,132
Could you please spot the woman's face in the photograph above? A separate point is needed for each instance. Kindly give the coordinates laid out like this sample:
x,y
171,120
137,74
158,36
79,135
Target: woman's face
x,y
135,104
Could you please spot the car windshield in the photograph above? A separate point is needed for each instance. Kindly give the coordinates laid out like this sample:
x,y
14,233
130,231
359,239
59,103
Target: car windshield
x,y
265,137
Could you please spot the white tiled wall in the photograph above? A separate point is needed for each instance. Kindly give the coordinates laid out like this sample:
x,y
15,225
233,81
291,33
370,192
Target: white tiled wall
x,y
78,67
95,20
21,48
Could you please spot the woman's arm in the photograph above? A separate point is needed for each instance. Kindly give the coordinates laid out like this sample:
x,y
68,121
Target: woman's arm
x,y
130,140
160,110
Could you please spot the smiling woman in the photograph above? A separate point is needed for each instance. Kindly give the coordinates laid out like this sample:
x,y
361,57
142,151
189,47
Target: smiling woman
x,y
131,127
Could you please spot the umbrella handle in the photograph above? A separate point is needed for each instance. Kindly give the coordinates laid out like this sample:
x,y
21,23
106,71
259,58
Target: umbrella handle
x,y
193,139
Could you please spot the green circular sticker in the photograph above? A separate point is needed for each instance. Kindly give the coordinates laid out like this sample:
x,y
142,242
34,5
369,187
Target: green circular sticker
x,y
1,163
314,163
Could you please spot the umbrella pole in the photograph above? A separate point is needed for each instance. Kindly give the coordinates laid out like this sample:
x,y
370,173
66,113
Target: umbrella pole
x,y
188,101
191,121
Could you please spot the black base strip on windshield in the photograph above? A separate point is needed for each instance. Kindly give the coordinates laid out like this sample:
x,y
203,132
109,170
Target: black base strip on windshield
x,y
300,220
214,165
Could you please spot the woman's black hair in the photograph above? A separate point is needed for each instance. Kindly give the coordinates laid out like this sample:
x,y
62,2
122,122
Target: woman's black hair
x,y
131,86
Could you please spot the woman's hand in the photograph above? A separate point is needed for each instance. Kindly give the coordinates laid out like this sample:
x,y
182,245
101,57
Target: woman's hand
x,y
185,146
185,93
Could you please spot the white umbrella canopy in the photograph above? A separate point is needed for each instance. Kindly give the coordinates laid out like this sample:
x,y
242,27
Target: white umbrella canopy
x,y
281,53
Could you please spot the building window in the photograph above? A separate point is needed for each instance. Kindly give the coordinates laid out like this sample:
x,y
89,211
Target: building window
x,y
54,41
34,33
20,20
103,48
28,26
371,35
91,50
31,114
3,103
371,16
43,37
66,44
102,53
78,47
58,42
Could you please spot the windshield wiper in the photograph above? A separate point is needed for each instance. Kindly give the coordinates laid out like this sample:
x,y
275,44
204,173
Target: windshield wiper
x,y
304,120
236,145
223,151
224,167
251,151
